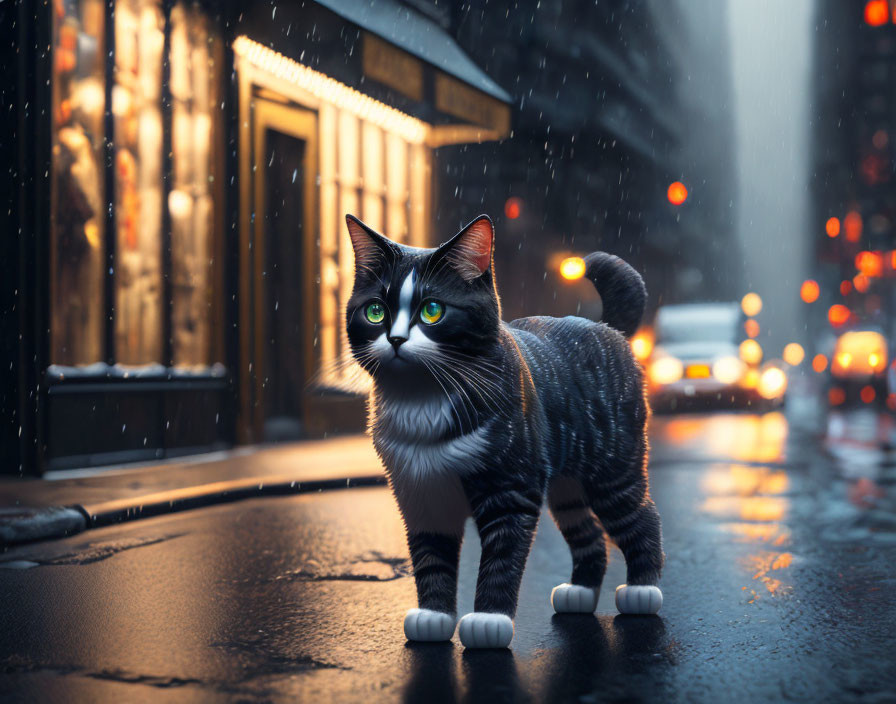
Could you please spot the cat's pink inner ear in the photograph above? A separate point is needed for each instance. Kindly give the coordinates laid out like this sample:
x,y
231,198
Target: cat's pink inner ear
x,y
472,253
366,249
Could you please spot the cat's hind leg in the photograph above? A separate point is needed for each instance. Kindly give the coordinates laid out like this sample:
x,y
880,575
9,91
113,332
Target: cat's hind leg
x,y
587,543
629,516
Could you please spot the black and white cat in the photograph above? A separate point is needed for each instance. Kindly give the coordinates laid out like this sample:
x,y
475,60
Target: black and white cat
x,y
476,417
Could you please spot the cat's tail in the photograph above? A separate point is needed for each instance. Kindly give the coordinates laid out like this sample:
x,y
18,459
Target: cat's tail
x,y
621,290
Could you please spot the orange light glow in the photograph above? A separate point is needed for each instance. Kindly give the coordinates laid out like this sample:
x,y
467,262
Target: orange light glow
x,y
867,394
836,396
832,227
845,287
750,351
809,291
838,314
642,345
877,12
819,363
677,193
870,263
853,225
794,354
572,268
512,208
861,282
751,327
893,259
891,402
751,304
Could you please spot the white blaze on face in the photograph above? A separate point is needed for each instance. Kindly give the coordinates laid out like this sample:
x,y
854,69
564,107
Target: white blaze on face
x,y
402,323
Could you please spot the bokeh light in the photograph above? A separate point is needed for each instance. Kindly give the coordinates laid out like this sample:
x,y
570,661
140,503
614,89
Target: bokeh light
x,y
572,268
751,327
677,193
819,363
809,291
877,12
793,354
513,207
832,227
838,314
751,304
750,351
867,394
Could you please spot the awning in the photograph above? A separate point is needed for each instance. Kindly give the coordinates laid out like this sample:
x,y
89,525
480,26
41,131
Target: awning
x,y
418,35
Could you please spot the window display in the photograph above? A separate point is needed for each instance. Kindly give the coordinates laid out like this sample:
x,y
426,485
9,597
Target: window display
x,y
77,192
136,104
191,201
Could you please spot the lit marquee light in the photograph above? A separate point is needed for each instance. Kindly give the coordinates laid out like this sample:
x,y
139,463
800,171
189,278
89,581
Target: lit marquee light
x,y
330,90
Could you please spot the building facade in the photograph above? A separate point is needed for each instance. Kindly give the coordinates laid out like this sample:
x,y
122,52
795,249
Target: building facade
x,y
176,264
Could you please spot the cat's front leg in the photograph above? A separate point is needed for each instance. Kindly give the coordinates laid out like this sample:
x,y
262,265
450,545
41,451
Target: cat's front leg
x,y
506,518
435,559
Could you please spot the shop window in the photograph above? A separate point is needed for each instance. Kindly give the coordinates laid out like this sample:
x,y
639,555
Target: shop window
x,y
194,70
78,184
164,268
137,106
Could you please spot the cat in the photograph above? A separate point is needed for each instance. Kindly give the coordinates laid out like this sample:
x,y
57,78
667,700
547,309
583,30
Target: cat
x,y
473,416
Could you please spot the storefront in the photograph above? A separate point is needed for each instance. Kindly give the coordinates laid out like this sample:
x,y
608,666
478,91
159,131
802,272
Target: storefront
x,y
183,266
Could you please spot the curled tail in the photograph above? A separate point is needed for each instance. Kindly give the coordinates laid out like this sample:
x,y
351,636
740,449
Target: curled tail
x,y
621,290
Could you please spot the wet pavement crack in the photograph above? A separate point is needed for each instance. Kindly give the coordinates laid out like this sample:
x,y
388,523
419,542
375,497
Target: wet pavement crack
x,y
150,680
94,552
369,567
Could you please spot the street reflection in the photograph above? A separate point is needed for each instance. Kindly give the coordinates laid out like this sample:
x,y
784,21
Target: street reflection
x,y
745,438
751,501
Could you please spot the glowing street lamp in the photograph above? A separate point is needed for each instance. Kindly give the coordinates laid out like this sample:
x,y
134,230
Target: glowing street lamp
x,y
572,268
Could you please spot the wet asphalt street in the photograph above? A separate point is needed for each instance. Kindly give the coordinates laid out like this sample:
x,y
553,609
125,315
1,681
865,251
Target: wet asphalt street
x,y
779,585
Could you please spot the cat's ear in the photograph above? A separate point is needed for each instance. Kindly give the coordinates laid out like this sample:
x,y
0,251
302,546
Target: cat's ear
x,y
370,246
470,250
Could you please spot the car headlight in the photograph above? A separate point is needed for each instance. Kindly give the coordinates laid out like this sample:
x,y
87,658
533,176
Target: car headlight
x,y
666,370
728,370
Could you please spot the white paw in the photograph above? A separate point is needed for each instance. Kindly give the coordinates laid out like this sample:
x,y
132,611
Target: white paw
x,y
482,630
638,599
426,625
574,599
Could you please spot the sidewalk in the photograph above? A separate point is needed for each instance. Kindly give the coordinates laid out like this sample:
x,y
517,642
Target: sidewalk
x,y
68,502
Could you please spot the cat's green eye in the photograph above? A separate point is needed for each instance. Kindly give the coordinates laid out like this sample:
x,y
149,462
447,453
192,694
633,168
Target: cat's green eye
x,y
432,312
375,312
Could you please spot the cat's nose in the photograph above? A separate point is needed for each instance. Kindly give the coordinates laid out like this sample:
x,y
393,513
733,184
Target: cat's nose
x,y
396,341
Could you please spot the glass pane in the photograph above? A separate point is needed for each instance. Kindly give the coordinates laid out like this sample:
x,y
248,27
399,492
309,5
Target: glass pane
x,y
136,103
77,222
191,202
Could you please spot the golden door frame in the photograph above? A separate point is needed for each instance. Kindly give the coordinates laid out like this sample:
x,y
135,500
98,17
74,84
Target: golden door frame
x,y
295,122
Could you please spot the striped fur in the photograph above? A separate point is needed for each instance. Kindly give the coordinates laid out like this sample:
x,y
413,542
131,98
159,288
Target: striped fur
x,y
474,417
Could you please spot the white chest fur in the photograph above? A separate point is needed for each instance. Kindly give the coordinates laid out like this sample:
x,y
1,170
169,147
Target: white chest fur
x,y
424,469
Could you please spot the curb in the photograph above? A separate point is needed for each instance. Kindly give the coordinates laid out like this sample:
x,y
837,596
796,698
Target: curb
x,y
25,525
